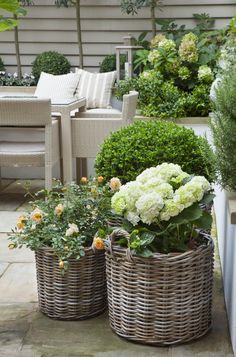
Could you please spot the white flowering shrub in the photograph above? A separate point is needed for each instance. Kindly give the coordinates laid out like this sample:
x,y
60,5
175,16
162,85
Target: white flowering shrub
x,y
162,209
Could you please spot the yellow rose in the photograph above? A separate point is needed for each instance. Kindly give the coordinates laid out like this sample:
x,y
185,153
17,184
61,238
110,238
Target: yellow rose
x,y
37,215
61,264
21,223
93,190
59,209
83,180
115,184
98,243
100,179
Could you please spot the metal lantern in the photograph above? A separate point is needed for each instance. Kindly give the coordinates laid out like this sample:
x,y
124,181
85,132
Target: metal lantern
x,y
128,48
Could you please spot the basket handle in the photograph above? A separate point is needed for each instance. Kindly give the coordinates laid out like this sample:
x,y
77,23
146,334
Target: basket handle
x,y
111,240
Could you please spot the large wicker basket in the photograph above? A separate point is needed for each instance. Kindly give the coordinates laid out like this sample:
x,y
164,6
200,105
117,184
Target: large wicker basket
x,y
162,300
78,294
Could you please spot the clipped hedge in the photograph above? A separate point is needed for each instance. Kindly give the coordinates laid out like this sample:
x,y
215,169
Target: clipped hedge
x,y
130,150
50,62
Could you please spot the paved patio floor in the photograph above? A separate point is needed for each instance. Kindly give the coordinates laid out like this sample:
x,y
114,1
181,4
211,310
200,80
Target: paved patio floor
x,y
25,332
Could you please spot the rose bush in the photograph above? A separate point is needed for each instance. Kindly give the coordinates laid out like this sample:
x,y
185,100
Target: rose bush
x,y
67,219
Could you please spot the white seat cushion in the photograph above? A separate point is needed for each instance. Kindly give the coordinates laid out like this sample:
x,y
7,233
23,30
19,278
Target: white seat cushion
x,y
96,88
101,111
19,148
57,87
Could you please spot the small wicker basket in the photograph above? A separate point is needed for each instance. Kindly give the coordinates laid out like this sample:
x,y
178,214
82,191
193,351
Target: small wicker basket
x,y
162,300
78,294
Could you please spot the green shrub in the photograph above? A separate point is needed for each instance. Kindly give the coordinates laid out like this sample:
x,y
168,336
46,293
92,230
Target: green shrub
x,y
130,150
223,126
2,68
109,63
50,62
163,98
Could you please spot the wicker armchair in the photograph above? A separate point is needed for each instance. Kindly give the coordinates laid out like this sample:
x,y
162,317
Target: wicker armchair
x,y
34,114
90,128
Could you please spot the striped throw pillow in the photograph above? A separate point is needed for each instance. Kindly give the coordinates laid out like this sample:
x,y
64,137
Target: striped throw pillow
x,y
96,88
57,87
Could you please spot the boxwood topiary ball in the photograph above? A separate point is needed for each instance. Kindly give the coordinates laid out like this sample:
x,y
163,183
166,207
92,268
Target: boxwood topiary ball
x,y
50,62
130,150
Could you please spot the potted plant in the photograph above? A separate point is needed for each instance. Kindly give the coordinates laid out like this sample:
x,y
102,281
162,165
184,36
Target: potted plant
x,y
159,262
64,229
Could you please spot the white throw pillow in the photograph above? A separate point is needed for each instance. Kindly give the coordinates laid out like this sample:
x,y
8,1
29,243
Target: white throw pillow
x,y
57,87
96,88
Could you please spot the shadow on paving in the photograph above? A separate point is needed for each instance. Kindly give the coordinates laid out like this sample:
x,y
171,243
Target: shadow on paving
x,y
25,332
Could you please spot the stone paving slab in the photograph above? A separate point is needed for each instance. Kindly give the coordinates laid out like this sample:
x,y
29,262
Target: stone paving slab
x,y
13,255
18,284
8,220
18,186
5,183
88,338
11,201
3,267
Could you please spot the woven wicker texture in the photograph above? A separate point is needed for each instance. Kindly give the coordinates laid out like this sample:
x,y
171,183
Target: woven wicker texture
x,y
90,130
78,294
28,113
162,300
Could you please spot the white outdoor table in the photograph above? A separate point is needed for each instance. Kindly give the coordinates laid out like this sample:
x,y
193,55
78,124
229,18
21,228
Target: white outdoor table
x,y
65,107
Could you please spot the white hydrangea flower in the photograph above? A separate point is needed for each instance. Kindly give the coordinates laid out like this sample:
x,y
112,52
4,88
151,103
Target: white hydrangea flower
x,y
160,186
126,198
203,181
167,44
183,196
148,206
118,203
205,74
167,171
171,209
147,174
192,192
132,217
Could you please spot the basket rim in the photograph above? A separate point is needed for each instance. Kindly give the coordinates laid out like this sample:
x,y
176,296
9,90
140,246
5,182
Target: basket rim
x,y
208,245
87,250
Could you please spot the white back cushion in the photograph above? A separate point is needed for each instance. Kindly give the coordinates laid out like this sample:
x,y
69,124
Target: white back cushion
x,y
57,87
96,88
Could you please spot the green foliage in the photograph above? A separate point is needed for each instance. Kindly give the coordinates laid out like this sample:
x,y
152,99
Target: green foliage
x,y
132,6
179,69
65,3
141,59
204,21
13,7
197,102
163,98
66,219
124,86
8,79
127,152
50,62
2,68
223,126
109,63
